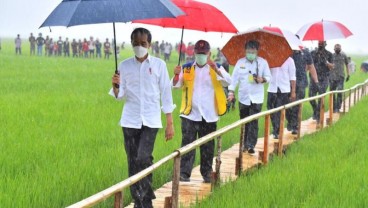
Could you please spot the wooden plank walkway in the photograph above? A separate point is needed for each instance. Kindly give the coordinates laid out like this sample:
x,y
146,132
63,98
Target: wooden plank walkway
x,y
196,190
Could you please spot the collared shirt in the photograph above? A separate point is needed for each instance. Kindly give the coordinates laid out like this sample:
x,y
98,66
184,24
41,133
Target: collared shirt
x,y
302,59
203,100
142,85
340,61
250,91
320,58
281,77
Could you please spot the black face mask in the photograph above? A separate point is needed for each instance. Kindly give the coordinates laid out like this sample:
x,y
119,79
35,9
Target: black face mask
x,y
337,51
321,47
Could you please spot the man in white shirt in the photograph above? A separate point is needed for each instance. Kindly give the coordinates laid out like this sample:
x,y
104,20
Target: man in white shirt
x,y
203,101
250,72
143,81
281,90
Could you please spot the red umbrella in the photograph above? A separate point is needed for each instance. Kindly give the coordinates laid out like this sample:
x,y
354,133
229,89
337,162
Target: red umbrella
x,y
200,16
324,30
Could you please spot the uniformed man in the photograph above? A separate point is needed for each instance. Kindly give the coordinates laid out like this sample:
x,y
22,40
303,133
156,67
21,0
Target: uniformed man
x,y
32,42
303,63
337,76
323,61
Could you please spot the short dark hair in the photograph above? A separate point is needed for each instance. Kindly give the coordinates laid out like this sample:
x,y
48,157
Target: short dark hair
x,y
252,44
141,30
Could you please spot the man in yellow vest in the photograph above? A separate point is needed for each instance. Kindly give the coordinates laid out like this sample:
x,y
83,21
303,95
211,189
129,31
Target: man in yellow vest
x,y
203,101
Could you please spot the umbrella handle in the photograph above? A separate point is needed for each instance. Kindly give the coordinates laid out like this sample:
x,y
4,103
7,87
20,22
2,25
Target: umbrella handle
x,y
176,78
116,85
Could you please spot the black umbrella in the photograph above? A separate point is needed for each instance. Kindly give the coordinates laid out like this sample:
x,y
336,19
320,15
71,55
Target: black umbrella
x,y
82,12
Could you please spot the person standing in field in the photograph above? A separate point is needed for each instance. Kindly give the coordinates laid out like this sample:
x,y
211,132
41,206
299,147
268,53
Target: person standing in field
x,y
66,47
60,46
40,42
85,48
323,61
51,47
47,45
32,43
91,47
80,48
107,47
351,65
337,76
74,45
250,73
18,45
203,101
98,48
143,81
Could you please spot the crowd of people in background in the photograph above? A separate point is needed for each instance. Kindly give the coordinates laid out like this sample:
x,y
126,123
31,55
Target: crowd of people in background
x,y
47,46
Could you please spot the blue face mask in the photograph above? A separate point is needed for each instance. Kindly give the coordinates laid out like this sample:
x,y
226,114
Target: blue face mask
x,y
201,59
251,56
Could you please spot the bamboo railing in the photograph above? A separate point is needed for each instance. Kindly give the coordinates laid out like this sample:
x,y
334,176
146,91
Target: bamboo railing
x,y
173,201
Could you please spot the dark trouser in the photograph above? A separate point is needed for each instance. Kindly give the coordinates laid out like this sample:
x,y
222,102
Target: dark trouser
x,y
251,129
313,91
139,145
275,100
292,113
190,130
18,50
337,98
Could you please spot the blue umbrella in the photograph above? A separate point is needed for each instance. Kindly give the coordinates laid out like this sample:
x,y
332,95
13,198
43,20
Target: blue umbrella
x,y
81,12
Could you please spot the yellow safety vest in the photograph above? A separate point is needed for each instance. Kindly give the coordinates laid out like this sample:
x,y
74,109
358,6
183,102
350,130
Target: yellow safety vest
x,y
187,91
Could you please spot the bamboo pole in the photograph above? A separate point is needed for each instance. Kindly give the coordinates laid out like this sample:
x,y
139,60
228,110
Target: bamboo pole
x,y
300,113
281,131
175,183
266,138
349,99
355,96
344,105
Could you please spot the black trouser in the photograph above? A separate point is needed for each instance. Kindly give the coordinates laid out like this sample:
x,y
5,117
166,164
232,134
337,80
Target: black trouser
x,y
275,100
292,113
139,145
313,91
190,130
337,98
251,129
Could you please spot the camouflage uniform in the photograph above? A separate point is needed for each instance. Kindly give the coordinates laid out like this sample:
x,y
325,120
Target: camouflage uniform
x,y
320,58
337,77
301,59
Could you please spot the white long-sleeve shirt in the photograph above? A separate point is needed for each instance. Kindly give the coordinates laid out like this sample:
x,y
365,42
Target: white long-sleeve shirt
x,y
203,100
142,85
250,91
281,77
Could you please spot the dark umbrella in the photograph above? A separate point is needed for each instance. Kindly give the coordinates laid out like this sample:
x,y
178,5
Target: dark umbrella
x,y
82,12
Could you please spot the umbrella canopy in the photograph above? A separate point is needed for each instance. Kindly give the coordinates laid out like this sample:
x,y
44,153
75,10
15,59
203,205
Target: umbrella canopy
x,y
273,47
199,16
324,30
294,42
81,12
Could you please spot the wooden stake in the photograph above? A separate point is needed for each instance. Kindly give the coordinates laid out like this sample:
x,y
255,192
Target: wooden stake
x,y
300,113
266,138
175,183
281,131
118,203
331,109
322,113
218,160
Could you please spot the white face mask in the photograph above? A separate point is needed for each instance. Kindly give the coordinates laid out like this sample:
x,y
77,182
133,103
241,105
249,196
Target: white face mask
x,y
201,59
140,51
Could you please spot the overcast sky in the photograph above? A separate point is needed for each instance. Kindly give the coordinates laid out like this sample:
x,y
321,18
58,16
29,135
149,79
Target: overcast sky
x,y
25,16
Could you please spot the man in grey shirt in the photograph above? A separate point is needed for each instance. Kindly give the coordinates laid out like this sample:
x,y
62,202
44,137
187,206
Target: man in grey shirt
x,y
337,75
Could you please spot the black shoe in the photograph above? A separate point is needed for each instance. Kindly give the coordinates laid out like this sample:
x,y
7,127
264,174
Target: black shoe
x,y
275,136
288,127
314,116
294,132
184,178
245,149
251,151
206,179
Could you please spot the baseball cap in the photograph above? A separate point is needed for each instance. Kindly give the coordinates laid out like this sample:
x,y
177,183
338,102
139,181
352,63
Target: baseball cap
x,y
202,46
